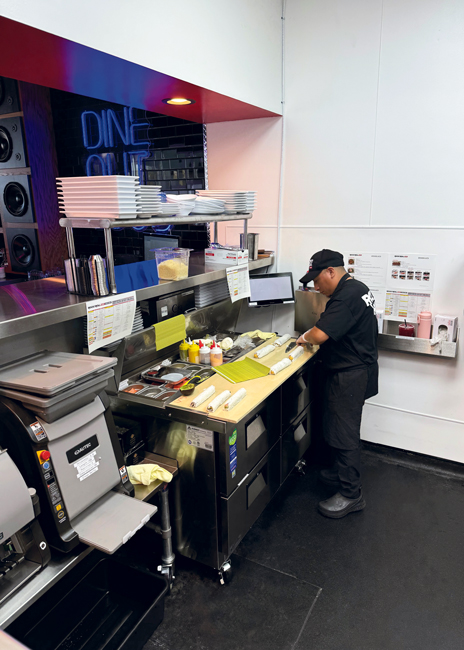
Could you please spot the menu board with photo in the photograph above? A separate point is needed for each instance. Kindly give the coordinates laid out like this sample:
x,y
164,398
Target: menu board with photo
x,y
411,272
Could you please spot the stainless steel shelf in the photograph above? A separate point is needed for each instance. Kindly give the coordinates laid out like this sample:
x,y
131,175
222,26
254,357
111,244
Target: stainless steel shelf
x,y
396,343
108,224
95,222
46,302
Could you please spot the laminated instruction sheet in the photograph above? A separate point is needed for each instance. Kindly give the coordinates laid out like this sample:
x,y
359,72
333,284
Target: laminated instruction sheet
x,y
110,319
238,279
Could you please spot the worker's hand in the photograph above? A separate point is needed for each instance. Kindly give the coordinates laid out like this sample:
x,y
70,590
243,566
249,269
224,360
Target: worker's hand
x,y
300,341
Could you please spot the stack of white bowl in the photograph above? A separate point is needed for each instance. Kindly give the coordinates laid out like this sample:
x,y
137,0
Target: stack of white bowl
x,y
205,205
186,202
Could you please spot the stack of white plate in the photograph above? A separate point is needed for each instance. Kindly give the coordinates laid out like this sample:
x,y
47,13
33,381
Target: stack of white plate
x,y
138,321
234,200
186,202
205,205
208,294
99,197
167,210
149,198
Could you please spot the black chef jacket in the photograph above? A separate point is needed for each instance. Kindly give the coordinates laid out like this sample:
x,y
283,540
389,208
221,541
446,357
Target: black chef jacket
x,y
350,359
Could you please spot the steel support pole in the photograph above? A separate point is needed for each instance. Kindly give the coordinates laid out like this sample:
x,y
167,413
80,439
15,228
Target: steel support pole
x,y
110,260
70,242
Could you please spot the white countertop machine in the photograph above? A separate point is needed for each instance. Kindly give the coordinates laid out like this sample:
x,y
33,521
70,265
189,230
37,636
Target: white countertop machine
x,y
23,548
59,430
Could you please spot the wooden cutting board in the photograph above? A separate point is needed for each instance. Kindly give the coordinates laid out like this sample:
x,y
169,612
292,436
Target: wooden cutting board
x,y
257,389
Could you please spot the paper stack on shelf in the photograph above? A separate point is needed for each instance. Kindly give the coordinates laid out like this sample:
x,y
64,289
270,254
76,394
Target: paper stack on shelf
x,y
208,294
235,201
99,197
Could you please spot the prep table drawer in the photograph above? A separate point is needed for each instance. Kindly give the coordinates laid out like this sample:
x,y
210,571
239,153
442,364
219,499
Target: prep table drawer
x,y
296,394
246,443
240,511
295,442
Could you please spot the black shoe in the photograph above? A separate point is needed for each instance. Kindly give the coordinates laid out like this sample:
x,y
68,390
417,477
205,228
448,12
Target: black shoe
x,y
339,506
329,477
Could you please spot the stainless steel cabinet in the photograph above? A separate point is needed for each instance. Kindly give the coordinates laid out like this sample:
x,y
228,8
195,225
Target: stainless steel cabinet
x,y
241,509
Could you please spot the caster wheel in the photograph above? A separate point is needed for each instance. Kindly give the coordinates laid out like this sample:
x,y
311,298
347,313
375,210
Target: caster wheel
x,y
225,574
300,467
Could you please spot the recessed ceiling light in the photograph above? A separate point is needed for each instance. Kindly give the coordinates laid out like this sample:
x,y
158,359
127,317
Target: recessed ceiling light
x,y
178,101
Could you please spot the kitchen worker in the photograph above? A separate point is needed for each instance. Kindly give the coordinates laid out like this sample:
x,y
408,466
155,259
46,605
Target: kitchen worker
x,y
347,333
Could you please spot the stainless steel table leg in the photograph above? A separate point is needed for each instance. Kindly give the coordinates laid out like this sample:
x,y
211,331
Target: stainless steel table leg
x,y
110,260
168,556
216,232
245,228
70,241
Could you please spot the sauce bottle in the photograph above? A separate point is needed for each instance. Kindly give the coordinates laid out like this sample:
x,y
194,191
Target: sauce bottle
x,y
216,355
194,353
184,351
205,354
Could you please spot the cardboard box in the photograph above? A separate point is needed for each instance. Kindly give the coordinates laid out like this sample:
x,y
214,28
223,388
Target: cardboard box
x,y
228,256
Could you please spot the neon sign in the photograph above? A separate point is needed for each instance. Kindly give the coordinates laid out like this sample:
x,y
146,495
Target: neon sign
x,y
106,130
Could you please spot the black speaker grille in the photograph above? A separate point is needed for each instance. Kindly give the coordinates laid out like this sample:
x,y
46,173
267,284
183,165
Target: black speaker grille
x,y
22,250
15,199
6,145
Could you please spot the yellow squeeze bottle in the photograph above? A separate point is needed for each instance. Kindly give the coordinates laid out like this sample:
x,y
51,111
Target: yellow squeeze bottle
x,y
184,351
194,353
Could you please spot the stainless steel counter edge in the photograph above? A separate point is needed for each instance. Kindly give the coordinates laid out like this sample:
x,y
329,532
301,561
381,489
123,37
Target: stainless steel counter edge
x,y
38,304
31,592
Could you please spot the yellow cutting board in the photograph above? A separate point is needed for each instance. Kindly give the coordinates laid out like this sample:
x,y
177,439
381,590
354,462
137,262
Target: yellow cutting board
x,y
257,389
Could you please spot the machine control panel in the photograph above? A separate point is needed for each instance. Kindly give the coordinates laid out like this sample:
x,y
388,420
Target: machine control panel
x,y
44,458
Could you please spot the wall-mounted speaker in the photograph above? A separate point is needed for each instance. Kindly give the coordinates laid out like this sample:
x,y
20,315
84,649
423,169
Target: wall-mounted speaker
x,y
28,168
12,145
16,205
9,96
23,248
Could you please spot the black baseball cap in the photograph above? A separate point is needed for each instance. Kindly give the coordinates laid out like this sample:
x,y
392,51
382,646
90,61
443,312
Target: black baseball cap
x,y
320,261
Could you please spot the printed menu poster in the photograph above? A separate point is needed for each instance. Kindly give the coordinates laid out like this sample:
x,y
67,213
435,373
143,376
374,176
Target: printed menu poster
x,y
411,272
405,305
238,280
110,319
370,268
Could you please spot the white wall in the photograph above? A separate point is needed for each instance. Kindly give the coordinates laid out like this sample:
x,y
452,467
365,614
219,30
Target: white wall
x,y
233,48
374,143
246,155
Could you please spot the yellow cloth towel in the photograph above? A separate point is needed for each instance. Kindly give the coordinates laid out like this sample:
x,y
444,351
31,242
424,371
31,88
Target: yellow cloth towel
x,y
147,473
258,333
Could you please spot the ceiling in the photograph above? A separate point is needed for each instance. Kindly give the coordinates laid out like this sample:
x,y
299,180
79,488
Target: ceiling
x,y
35,56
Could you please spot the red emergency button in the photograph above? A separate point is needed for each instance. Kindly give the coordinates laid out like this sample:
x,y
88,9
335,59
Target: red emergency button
x,y
44,455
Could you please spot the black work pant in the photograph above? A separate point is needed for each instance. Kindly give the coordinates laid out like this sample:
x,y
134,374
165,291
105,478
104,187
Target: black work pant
x,y
346,469
343,403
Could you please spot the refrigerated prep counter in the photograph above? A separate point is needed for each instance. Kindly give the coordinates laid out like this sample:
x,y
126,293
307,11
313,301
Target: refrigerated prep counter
x,y
231,463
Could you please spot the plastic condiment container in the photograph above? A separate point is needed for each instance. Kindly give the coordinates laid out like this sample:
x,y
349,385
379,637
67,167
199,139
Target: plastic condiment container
x,y
205,355
172,263
184,351
194,353
216,355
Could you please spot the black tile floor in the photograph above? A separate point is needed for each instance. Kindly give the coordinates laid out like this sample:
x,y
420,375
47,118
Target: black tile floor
x,y
388,578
